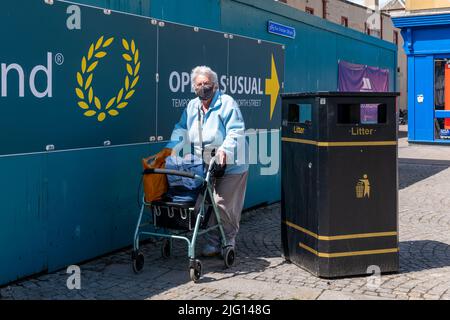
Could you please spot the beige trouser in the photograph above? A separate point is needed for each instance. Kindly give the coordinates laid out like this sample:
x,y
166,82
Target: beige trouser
x,y
229,194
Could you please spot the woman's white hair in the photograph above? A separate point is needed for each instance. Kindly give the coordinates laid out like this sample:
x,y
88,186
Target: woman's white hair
x,y
204,71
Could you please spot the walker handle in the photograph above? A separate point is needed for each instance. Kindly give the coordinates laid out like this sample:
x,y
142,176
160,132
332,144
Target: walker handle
x,y
171,172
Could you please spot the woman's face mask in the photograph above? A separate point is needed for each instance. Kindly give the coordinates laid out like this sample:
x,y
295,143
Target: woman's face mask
x,y
204,88
205,91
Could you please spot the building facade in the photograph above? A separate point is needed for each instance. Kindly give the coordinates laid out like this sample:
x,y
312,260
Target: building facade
x,y
368,18
413,5
425,28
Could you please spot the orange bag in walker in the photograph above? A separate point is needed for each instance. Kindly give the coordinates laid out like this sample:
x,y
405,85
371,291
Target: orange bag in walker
x,y
155,185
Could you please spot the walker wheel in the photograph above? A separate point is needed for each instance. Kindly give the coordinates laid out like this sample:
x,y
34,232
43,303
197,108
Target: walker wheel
x,y
195,270
229,256
138,261
166,249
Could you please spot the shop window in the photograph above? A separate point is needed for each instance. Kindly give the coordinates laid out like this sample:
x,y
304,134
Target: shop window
x,y
439,84
441,103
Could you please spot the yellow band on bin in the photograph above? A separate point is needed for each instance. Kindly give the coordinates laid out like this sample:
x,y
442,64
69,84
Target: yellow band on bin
x,y
349,253
342,237
341,144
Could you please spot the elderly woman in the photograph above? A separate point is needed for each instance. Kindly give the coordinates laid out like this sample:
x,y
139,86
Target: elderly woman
x,y
213,120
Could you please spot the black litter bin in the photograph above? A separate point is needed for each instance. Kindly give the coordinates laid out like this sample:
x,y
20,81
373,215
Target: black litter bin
x,y
339,182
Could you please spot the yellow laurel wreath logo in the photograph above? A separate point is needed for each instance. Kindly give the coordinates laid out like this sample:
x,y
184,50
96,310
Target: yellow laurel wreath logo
x,y
88,100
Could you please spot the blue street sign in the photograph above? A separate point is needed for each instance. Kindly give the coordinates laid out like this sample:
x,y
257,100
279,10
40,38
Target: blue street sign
x,y
280,29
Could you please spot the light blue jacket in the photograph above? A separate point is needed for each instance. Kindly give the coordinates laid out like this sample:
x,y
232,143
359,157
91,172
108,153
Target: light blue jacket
x,y
223,128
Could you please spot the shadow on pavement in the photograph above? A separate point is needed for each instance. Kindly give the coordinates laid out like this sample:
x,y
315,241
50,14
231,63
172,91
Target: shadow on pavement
x,y
402,134
257,243
161,278
411,171
418,255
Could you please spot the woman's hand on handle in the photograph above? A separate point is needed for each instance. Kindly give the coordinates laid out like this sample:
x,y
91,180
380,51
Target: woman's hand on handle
x,y
221,157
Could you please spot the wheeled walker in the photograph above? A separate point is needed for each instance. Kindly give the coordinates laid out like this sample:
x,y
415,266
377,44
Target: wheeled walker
x,y
183,221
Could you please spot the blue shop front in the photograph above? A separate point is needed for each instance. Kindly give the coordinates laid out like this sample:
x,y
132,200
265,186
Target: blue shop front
x,y
427,45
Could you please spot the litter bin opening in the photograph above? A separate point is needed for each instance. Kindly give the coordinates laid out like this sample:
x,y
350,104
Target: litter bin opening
x,y
300,113
354,113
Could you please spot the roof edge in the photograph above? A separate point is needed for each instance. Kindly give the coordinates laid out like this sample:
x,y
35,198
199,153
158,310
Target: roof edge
x,y
421,20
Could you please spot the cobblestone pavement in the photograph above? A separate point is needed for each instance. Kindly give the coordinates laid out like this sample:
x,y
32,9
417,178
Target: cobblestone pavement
x,y
261,273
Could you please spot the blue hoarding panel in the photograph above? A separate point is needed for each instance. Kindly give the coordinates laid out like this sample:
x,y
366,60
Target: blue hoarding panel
x,y
199,47
92,208
85,86
256,86
23,216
